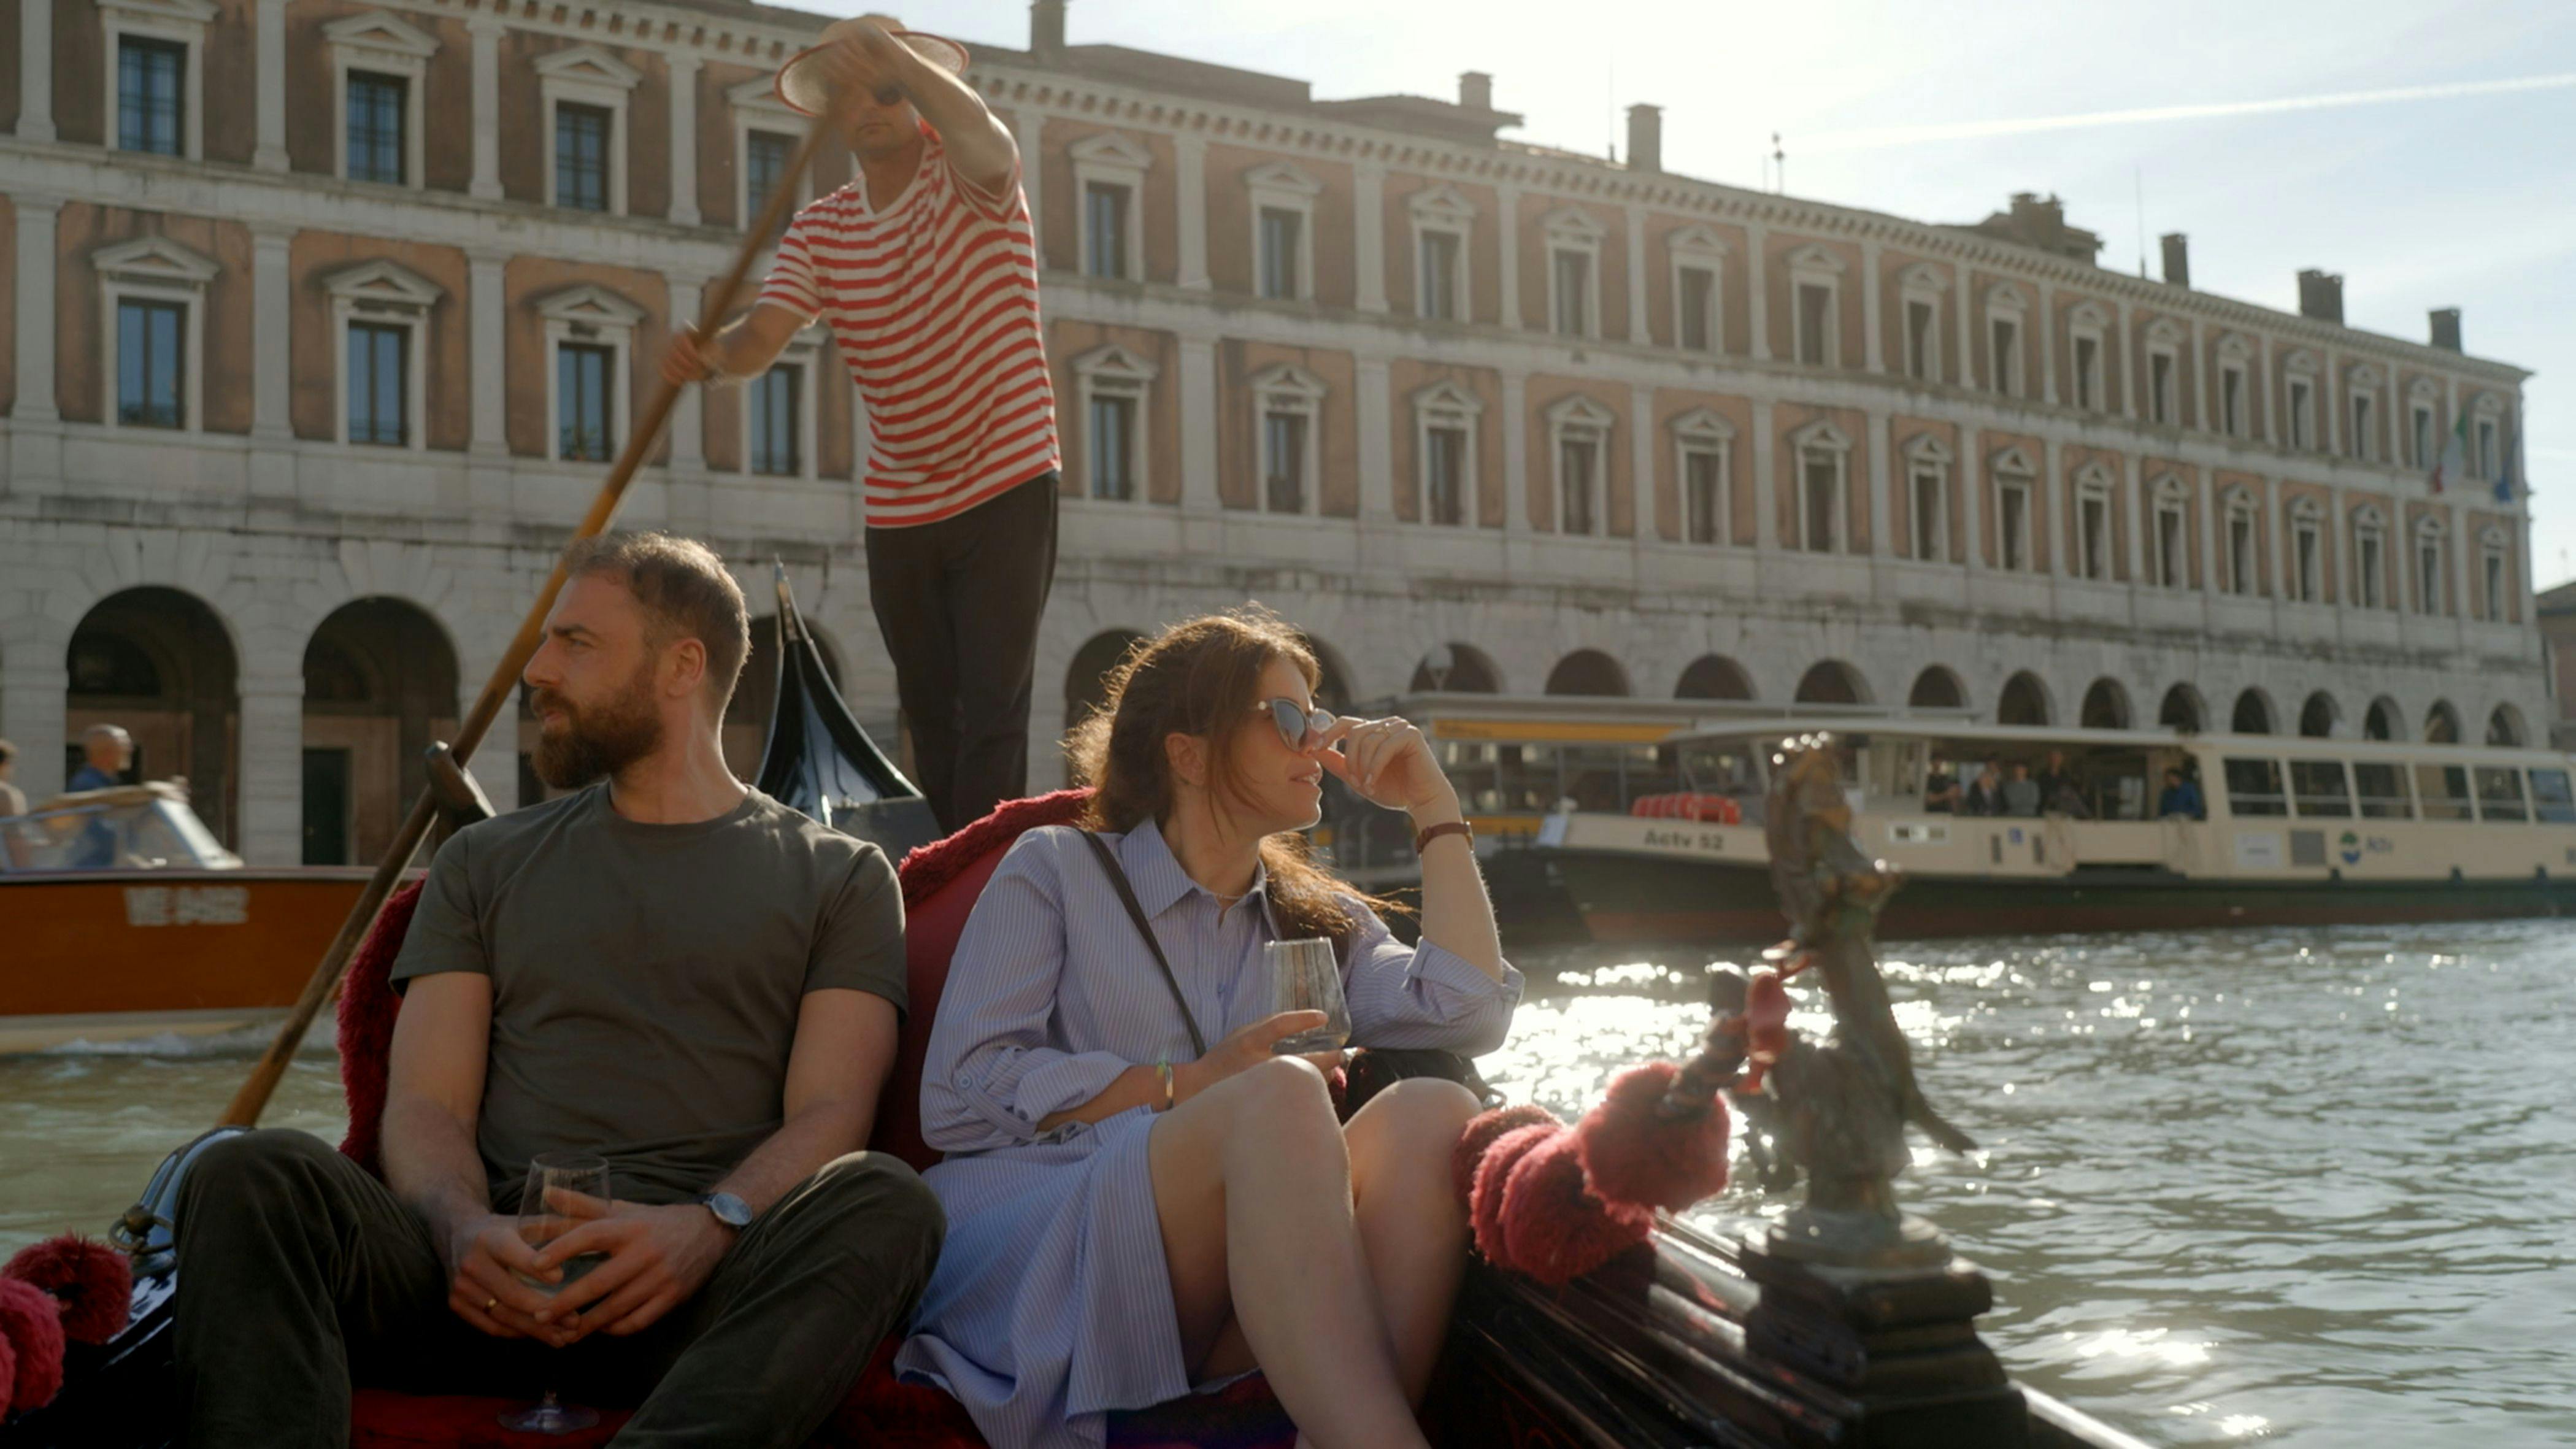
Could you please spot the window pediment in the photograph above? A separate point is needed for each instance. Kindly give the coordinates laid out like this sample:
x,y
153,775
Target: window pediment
x,y
2307,509
2237,496
184,12
1570,224
1815,257
589,303
2165,332
2006,297
1927,447
2424,390
383,283
155,259
2092,478
1288,380
2167,488
1577,410
1924,277
1112,151
2235,348
1706,425
1280,176
760,96
2369,516
2302,362
2013,459
1113,363
2089,313
588,65
1695,241
2487,405
2431,526
381,33
2492,538
1447,397
1441,203
1821,434
2366,375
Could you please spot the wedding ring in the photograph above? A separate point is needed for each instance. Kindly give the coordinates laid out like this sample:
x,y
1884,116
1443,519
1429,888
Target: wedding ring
x,y
491,1303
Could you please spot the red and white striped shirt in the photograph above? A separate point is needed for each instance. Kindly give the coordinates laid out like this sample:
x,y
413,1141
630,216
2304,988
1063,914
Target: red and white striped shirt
x,y
934,303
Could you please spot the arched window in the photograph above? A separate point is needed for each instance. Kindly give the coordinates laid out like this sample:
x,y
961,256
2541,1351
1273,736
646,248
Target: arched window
x,y
1086,679
2504,728
2383,721
2024,701
2253,714
1832,682
2319,717
1714,676
1936,688
2182,709
1587,672
2441,724
2106,706
1456,669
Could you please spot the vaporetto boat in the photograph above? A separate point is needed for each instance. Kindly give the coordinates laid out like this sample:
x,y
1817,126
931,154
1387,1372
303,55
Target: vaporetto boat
x,y
2292,831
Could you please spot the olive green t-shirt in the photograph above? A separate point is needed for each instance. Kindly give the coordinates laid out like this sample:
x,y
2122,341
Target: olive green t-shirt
x,y
646,978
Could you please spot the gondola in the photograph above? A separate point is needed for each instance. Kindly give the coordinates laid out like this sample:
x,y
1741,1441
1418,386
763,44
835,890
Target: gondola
x,y
1688,1338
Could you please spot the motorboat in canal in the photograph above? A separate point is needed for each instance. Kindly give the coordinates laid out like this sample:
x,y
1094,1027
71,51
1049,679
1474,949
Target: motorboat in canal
x,y
2291,831
126,918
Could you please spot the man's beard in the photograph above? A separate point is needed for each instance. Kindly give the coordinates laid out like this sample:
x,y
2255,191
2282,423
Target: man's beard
x,y
598,741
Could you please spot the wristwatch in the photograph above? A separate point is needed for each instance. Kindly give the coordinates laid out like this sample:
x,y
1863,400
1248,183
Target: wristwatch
x,y
731,1211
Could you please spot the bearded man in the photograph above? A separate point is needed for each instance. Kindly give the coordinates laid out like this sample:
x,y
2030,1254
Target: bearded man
x,y
664,968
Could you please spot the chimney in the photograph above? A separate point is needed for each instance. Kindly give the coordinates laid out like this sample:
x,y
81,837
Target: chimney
x,y
1475,91
2177,259
1046,27
2446,328
2321,295
1645,138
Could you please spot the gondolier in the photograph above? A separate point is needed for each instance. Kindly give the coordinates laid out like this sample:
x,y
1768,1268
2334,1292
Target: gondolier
x,y
925,267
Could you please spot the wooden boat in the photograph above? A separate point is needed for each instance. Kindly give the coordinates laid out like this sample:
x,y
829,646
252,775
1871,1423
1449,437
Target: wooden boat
x,y
2295,831
1675,1343
126,919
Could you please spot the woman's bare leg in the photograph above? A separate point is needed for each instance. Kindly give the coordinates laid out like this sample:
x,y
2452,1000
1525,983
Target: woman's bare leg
x,y
1412,1225
1253,1186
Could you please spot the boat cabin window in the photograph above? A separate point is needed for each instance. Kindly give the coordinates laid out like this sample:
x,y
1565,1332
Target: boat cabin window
x,y
1724,767
2444,791
2383,791
2552,798
2254,788
2320,789
2500,794
1472,766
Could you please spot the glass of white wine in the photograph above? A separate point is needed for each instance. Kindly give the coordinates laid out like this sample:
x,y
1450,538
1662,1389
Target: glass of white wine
x,y
1307,976
550,1206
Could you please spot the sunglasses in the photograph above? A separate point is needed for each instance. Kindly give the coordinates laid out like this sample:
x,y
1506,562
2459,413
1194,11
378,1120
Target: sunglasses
x,y
1297,724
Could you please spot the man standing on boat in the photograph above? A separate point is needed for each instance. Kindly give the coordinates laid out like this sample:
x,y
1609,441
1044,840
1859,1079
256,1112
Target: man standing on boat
x,y
663,969
925,266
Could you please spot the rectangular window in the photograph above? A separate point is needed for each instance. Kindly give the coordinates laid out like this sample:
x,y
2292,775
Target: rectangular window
x,y
2093,527
2319,789
585,414
1921,328
151,364
2382,789
2303,543
2300,426
1572,271
2494,586
1928,501
1815,324
2231,401
1283,234
581,156
776,440
2486,448
1112,451
2500,794
1699,309
2169,547
1704,494
2366,567
1283,461
2443,791
2422,433
765,157
151,100
2088,372
2013,522
2359,444
2160,387
1104,230
1439,300
2428,576
2005,340
1578,464
379,383
2552,800
1822,474
2240,552
377,115
2254,788
1444,473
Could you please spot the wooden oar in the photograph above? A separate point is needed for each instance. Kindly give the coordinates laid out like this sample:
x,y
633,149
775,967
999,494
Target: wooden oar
x,y
253,1097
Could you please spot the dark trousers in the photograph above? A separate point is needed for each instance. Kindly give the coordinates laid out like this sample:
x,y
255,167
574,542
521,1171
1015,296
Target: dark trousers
x,y
958,603
300,1273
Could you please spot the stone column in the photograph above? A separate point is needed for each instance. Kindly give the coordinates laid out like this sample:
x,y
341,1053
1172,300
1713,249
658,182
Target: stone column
x,y
486,329
688,418
1368,226
1766,485
1376,418
2045,324
35,424
1516,519
1879,433
486,30
1028,130
272,768
1964,333
2136,518
1507,271
2338,553
1198,427
1642,434
2212,534
1638,331
2273,394
2058,506
1972,488
1873,347
684,140
1757,290
36,76
34,690
272,430
270,43
1189,160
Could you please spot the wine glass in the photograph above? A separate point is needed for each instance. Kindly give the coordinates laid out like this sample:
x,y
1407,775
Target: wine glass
x,y
547,1212
1307,976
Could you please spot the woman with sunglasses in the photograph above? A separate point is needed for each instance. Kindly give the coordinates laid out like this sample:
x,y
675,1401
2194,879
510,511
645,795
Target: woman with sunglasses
x,y
1131,1218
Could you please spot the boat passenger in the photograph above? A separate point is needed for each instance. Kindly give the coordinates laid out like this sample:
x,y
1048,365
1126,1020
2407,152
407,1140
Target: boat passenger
x,y
2181,797
666,969
2056,781
2021,792
1133,1219
1985,794
1941,791
106,751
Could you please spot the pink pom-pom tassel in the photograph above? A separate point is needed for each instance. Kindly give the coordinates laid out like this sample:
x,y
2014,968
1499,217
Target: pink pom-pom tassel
x,y
33,1324
1635,1155
1557,1230
92,1282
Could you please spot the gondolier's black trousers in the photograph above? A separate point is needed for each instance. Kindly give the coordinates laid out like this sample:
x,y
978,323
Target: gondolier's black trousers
x,y
958,603
299,1273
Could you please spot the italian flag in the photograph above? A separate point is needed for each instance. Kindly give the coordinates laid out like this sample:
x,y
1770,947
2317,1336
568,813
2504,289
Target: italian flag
x,y
2455,453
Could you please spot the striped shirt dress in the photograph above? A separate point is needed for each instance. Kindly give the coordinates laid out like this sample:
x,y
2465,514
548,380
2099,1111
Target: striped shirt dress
x,y
1052,1305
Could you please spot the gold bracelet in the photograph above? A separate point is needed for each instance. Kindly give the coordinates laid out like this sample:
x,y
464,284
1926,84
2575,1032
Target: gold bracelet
x,y
1164,1071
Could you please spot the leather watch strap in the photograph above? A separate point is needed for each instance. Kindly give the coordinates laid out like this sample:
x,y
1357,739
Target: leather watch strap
x,y
1445,827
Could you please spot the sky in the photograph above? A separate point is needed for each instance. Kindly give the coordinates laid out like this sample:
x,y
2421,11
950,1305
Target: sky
x,y
2402,145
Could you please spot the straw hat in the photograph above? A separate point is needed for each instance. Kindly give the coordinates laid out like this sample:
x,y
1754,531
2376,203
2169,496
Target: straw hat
x,y
801,84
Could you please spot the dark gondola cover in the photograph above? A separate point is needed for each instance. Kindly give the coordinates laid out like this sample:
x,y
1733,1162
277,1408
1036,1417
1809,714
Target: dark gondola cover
x,y
818,759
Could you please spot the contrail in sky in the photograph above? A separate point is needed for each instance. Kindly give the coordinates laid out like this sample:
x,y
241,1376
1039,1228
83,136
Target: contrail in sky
x,y
1862,138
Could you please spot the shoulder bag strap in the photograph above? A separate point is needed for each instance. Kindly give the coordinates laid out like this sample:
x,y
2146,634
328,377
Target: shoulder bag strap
x,y
1145,928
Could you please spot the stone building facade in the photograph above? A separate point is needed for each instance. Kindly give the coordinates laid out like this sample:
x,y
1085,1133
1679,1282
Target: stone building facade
x,y
325,312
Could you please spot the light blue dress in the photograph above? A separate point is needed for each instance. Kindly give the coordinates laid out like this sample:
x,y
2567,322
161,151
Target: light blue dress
x,y
1052,1304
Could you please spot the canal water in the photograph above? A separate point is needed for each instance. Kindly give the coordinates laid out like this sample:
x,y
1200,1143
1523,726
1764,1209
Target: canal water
x,y
2304,1188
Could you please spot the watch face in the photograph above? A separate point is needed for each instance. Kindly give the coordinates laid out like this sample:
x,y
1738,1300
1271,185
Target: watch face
x,y
731,1211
